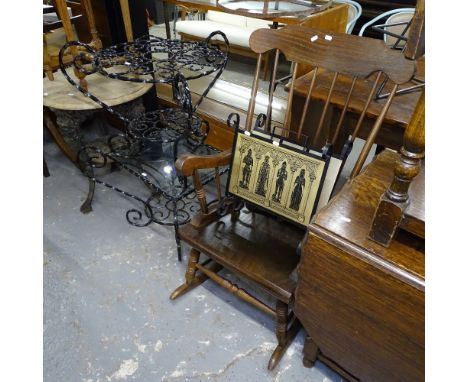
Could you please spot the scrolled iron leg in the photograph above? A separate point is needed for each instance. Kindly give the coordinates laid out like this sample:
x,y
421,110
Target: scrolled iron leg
x,y
88,171
283,335
176,230
179,246
87,207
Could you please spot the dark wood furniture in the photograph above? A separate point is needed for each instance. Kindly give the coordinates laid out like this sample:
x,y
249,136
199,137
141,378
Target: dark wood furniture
x,y
360,293
361,304
258,246
361,281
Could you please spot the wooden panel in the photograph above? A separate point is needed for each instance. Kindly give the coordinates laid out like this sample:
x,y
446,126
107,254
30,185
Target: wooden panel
x,y
334,18
368,322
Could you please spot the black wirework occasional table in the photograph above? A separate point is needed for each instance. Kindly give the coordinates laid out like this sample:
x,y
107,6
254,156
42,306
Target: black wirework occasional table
x,y
165,198
153,140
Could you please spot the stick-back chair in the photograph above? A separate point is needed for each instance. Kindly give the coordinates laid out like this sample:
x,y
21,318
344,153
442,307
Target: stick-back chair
x,y
255,243
50,59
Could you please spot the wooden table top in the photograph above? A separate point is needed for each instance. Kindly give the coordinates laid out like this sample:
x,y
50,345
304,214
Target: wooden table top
x,y
348,218
400,111
60,94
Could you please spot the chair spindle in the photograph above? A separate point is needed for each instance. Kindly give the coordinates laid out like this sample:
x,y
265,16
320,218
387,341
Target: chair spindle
x,y
200,192
271,90
325,108
61,7
253,95
306,105
287,116
126,19
364,110
343,112
373,134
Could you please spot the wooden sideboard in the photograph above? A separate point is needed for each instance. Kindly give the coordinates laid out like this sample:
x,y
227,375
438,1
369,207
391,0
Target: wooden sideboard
x,y
362,304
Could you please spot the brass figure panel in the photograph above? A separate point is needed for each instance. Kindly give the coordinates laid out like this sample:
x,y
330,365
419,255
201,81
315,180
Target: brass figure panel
x,y
276,178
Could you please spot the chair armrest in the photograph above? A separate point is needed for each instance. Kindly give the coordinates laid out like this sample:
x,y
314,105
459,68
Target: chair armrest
x,y
186,164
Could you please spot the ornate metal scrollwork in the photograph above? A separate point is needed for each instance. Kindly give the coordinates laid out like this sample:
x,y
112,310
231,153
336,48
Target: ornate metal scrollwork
x,y
159,60
152,60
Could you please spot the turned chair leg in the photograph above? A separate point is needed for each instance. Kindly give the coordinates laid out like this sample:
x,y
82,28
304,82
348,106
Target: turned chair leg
x,y
283,335
310,352
191,280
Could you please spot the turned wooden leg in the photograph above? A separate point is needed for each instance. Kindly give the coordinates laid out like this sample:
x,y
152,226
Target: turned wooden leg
x,y
281,321
191,278
284,336
310,352
46,60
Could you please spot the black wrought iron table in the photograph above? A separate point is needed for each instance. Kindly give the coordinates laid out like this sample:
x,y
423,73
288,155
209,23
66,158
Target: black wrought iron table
x,y
153,140
170,199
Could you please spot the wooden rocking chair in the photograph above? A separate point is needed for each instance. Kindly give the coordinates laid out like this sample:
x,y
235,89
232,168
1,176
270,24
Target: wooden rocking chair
x,y
263,247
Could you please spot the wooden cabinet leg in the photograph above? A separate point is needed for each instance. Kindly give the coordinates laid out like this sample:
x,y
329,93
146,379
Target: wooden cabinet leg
x,y
310,352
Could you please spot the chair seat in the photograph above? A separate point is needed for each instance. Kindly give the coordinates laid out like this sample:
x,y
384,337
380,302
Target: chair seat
x,y
255,246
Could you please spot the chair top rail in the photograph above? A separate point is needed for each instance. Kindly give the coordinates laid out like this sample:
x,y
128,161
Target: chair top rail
x,y
337,52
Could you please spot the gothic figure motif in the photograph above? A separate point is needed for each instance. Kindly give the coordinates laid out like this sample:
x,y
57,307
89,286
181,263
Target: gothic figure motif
x,y
281,177
296,196
262,181
247,170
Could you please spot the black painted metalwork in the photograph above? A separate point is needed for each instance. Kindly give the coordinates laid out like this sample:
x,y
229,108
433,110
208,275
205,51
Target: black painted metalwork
x,y
141,61
152,141
172,200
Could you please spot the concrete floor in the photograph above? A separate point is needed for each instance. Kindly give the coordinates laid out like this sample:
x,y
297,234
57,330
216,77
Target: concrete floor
x,y
107,313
